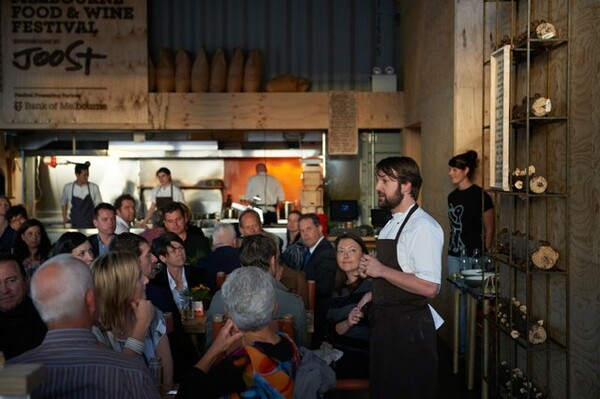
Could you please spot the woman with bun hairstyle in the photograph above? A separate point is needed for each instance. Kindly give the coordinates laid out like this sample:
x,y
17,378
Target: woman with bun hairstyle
x,y
471,213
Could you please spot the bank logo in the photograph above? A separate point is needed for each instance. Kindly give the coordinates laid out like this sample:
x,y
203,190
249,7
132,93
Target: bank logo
x,y
18,106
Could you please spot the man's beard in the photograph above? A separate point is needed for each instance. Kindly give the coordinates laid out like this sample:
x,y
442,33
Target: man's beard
x,y
389,203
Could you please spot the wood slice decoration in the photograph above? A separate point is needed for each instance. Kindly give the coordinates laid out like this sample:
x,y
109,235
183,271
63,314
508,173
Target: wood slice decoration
x,y
235,74
151,76
253,72
165,72
544,256
218,72
538,184
200,75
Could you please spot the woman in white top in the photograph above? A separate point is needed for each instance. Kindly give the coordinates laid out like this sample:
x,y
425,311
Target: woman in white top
x,y
163,194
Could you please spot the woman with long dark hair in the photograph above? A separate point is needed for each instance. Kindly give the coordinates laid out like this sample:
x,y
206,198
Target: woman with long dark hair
x,y
31,246
348,328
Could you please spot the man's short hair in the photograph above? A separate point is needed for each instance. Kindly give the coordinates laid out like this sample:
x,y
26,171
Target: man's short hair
x,y
65,299
402,169
103,205
310,216
257,250
15,211
128,242
223,233
121,198
11,258
162,242
248,212
172,207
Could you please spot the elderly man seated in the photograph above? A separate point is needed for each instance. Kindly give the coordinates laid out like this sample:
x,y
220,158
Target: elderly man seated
x,y
265,365
21,327
75,365
225,256
261,251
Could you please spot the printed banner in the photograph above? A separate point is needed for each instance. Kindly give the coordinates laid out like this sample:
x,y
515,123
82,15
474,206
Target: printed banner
x,y
74,61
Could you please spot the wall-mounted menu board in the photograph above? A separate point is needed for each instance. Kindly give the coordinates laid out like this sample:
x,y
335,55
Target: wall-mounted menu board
x,y
342,138
500,118
75,62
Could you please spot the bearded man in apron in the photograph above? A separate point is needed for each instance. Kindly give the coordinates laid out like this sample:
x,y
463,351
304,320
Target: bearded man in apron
x,y
83,196
405,273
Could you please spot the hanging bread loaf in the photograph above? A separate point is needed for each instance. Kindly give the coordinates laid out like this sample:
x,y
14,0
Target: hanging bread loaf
x,y
218,72
200,75
288,83
253,72
235,73
151,76
165,72
183,68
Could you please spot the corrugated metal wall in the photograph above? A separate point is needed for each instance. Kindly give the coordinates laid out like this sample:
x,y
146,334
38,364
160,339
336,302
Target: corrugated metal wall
x,y
335,43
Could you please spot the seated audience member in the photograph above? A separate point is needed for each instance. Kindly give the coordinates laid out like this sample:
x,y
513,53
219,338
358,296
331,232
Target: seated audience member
x,y
176,276
293,280
75,365
105,221
319,265
7,233
76,244
32,245
265,365
176,217
249,224
21,327
225,256
157,229
347,325
182,349
16,216
125,208
292,233
261,251
127,321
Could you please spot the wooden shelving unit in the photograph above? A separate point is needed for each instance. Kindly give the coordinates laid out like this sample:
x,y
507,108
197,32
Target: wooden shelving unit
x,y
536,66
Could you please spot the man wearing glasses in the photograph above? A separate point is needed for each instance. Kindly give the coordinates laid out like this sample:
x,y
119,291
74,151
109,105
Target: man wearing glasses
x,y
176,274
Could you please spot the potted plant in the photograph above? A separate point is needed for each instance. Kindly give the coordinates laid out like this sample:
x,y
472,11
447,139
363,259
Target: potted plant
x,y
197,295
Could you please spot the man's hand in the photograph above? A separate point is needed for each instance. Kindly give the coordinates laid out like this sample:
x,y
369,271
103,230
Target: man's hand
x,y
370,267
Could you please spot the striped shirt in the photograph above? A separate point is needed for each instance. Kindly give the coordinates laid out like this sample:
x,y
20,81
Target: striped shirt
x,y
77,366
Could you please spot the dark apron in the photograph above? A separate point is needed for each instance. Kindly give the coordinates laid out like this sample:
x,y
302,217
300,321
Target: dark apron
x,y
162,201
403,345
82,210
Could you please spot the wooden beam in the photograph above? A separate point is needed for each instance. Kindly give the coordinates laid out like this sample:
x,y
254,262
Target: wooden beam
x,y
248,111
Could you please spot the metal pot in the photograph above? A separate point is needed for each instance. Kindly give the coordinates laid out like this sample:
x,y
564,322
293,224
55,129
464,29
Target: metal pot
x,y
229,213
285,209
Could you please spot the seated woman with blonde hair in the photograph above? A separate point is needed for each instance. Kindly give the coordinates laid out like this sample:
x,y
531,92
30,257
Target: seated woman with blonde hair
x,y
265,364
128,322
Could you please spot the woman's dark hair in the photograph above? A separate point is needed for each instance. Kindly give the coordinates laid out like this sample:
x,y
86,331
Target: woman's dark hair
x,y
68,241
340,275
288,239
164,170
80,167
465,160
21,250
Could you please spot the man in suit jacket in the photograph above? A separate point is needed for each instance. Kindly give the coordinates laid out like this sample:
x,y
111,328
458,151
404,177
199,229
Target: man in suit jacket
x,y
176,275
320,265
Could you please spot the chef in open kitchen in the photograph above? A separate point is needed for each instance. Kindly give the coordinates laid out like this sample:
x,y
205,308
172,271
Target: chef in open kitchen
x,y
83,196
